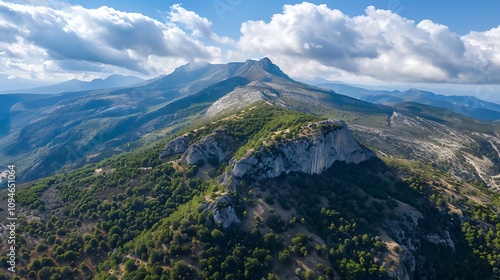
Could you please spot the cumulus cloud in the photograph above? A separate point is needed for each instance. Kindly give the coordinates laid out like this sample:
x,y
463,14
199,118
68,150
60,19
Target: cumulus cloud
x,y
39,41
199,26
484,50
59,40
380,45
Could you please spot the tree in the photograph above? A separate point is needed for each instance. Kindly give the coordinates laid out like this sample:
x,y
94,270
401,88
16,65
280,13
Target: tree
x,y
253,268
217,235
130,265
66,272
44,273
181,270
284,256
41,247
310,275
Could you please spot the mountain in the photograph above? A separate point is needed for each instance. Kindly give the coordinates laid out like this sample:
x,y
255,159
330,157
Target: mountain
x,y
266,191
112,81
194,77
17,83
69,130
236,171
353,91
467,105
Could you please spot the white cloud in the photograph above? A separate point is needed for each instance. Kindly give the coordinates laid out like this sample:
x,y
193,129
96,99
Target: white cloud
x,y
52,41
63,41
199,26
483,48
315,40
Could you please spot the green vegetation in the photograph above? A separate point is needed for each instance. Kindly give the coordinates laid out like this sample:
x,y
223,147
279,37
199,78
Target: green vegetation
x,y
257,123
134,216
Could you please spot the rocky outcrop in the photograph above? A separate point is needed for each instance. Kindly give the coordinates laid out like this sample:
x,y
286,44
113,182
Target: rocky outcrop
x,y
217,146
404,230
223,212
244,96
313,150
327,142
176,146
437,239
237,99
405,269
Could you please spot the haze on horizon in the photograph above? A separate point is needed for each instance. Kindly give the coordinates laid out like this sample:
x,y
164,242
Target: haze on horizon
x,y
397,44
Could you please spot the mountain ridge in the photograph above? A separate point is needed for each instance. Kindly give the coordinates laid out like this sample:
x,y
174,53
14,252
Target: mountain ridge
x,y
62,132
193,77
106,120
75,85
467,105
140,214
236,171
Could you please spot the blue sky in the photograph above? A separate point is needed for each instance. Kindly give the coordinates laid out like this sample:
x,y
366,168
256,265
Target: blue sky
x,y
393,42
227,15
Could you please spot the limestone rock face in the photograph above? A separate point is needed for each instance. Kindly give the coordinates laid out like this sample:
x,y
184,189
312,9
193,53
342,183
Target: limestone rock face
x,y
244,96
223,212
311,154
225,217
217,146
312,151
406,268
176,146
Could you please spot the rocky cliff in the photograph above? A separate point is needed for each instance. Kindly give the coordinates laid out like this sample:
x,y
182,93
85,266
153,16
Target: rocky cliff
x,y
216,147
320,145
224,212
314,149
177,146
244,96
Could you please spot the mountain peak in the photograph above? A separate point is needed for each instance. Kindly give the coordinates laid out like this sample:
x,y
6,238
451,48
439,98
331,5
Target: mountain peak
x,y
264,64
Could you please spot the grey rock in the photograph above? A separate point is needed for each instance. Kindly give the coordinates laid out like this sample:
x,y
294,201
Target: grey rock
x,y
176,146
311,154
437,239
223,212
407,265
244,96
217,145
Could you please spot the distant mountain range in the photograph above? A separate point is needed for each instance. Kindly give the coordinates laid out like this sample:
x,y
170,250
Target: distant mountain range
x,y
45,133
237,171
467,105
113,81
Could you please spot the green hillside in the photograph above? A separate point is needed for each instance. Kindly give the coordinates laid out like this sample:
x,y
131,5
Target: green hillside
x,y
136,216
